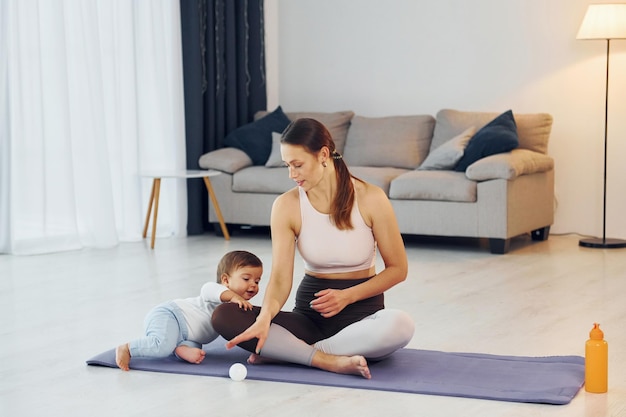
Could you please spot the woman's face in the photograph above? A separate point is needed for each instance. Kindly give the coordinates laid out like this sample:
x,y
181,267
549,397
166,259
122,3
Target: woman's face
x,y
304,168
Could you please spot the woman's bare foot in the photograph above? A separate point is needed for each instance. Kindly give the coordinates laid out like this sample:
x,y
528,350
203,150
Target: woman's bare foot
x,y
122,356
352,365
190,354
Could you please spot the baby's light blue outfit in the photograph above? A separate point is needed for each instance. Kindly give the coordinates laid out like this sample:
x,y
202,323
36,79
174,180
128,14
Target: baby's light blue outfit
x,y
184,321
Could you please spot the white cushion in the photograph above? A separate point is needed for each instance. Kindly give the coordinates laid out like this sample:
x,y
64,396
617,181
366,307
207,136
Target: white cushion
x,y
447,155
275,160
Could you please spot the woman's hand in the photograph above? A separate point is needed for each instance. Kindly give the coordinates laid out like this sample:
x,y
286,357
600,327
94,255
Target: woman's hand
x,y
258,330
330,302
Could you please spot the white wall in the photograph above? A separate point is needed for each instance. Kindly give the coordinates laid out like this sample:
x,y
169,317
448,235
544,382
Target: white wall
x,y
390,57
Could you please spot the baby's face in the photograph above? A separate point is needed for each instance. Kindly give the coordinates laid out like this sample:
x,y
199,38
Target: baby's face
x,y
245,281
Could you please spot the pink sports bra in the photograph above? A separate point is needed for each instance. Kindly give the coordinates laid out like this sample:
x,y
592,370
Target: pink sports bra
x,y
326,249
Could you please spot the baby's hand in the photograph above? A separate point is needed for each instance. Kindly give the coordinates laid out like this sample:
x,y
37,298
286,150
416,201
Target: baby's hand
x,y
242,302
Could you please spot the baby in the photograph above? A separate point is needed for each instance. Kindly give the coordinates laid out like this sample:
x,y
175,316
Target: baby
x,y
182,326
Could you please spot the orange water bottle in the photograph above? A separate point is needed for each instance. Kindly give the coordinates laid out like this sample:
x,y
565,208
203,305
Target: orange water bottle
x,y
596,361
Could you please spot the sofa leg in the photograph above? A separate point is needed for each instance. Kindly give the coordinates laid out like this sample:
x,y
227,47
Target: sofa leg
x,y
218,229
540,234
499,246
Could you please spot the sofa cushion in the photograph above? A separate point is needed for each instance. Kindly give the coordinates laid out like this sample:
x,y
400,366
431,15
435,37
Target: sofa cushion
x,y
255,138
395,141
448,154
258,179
533,130
255,179
433,185
379,176
225,159
497,136
276,159
337,123
510,165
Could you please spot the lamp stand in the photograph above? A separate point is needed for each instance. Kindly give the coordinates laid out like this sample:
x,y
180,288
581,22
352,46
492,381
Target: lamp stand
x,y
604,242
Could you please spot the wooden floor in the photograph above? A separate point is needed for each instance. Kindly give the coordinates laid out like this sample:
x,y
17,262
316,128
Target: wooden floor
x,y
541,299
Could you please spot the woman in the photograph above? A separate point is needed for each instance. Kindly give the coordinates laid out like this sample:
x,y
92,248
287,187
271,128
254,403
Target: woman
x,y
336,221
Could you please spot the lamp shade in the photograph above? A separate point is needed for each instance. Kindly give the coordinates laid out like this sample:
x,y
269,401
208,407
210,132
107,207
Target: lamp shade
x,y
604,21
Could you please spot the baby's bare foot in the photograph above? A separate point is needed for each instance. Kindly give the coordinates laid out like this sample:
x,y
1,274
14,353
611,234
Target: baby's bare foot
x,y
122,357
255,359
190,354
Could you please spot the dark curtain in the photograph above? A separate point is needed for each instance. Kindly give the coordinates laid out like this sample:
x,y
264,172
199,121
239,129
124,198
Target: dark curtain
x,y
224,82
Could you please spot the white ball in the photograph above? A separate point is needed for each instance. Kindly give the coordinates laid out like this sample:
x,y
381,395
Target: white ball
x,y
238,372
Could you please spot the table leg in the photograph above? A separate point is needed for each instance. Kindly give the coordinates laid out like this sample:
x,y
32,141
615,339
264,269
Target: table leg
x,y
157,189
216,206
145,227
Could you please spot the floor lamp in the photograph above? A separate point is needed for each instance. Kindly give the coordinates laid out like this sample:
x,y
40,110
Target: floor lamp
x,y
604,21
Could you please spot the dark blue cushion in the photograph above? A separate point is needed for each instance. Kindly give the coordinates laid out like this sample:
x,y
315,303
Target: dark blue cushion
x,y
255,138
497,136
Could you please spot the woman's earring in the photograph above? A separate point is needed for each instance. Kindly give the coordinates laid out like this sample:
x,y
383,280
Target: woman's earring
x,y
324,164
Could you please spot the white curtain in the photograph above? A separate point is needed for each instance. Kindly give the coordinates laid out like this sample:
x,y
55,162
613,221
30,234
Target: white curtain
x,y
91,95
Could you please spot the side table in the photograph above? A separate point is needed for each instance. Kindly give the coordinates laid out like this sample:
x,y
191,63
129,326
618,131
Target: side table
x,y
156,187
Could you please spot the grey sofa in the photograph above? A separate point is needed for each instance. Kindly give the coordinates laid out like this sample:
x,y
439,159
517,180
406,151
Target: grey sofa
x,y
413,159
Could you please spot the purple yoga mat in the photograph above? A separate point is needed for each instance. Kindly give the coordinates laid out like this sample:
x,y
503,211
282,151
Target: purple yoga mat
x,y
548,380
